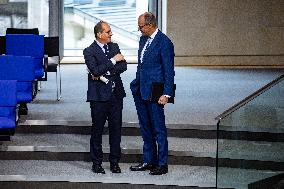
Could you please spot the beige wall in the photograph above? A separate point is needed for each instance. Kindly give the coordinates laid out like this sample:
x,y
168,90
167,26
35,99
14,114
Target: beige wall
x,y
227,32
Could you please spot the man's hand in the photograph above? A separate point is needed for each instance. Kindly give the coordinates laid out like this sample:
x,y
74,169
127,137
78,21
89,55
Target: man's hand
x,y
118,57
163,100
95,78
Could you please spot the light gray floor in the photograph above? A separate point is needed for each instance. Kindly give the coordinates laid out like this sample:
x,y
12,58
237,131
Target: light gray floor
x,y
233,149
78,171
129,144
201,95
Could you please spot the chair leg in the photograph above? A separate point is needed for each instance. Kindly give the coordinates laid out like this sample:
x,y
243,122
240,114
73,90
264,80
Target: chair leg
x,y
17,115
35,88
57,95
39,86
23,109
58,90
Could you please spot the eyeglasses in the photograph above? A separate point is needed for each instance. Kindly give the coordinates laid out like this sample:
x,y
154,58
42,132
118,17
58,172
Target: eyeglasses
x,y
141,27
108,32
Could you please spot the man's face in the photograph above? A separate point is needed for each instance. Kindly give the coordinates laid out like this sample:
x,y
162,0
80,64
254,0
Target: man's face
x,y
105,35
142,27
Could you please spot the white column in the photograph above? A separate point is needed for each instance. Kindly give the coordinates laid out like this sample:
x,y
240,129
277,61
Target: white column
x,y
38,15
164,15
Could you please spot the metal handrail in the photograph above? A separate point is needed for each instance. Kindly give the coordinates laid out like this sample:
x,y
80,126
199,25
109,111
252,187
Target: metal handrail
x,y
249,98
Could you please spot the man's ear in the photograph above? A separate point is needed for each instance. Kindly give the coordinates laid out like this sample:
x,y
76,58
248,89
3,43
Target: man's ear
x,y
98,35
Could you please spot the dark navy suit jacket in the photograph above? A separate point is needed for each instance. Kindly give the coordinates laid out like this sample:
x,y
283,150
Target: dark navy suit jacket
x,y
98,65
157,66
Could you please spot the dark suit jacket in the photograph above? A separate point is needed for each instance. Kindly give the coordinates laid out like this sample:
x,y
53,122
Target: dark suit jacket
x,y
98,65
157,66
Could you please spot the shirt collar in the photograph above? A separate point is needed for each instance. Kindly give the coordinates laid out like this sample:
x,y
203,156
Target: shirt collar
x,y
100,44
154,34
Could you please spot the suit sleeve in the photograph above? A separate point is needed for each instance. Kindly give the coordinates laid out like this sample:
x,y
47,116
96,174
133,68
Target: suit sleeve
x,y
96,68
167,55
134,85
120,66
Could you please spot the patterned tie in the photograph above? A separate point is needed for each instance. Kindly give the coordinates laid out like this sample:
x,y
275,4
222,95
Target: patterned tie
x,y
148,43
107,55
106,50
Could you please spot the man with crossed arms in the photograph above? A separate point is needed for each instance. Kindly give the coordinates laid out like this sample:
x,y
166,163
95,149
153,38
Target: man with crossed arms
x,y
105,93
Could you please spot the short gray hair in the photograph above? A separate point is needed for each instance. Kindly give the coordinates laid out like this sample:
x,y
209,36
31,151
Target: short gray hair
x,y
150,18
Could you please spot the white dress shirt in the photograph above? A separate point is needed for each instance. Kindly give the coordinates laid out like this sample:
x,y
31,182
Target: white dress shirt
x,y
147,44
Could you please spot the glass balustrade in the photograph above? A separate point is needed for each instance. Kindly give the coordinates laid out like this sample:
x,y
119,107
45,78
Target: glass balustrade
x,y
80,17
250,152
25,14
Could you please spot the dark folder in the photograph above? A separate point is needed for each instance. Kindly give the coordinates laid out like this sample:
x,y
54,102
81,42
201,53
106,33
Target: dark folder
x,y
158,90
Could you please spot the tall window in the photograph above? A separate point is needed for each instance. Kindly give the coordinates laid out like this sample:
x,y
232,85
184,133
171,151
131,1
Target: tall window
x,y
24,14
80,16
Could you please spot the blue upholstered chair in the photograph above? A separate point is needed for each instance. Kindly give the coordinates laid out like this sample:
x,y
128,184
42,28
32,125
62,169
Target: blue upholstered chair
x,y
51,55
22,69
28,45
8,103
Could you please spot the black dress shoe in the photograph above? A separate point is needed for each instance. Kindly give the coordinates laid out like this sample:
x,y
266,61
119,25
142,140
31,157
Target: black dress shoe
x,y
142,167
98,169
114,168
159,170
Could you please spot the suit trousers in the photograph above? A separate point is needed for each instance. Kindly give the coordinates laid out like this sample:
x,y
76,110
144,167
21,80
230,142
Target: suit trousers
x,y
101,111
153,129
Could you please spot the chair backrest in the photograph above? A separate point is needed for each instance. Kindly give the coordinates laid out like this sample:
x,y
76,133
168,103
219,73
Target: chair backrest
x,y
21,68
2,45
25,45
51,46
22,31
8,93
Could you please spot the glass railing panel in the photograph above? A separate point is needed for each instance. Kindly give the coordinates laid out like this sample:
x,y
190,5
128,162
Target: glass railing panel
x,y
250,139
25,14
264,113
81,16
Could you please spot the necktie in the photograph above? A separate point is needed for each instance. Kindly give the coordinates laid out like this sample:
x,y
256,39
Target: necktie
x,y
148,43
107,55
106,49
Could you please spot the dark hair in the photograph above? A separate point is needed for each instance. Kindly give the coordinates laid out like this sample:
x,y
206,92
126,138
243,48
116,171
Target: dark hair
x,y
98,27
150,18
